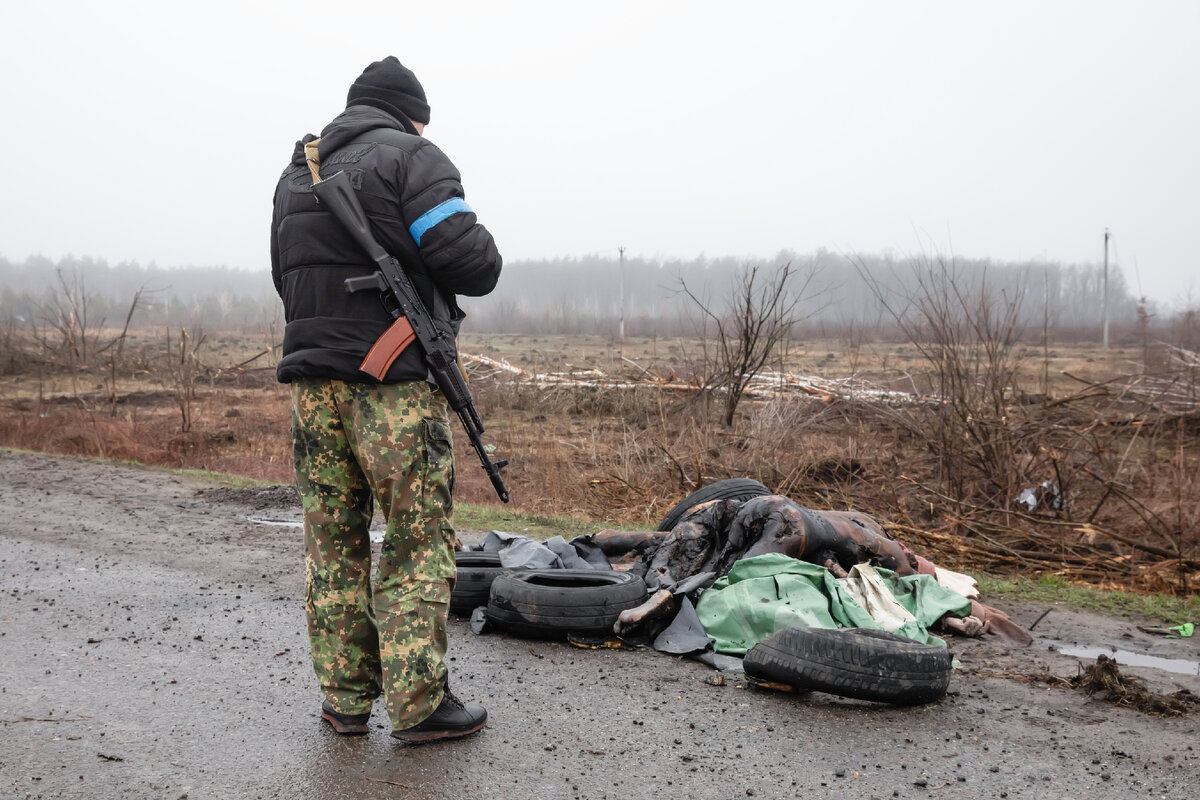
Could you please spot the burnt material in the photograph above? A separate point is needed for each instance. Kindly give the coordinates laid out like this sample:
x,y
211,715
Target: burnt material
x,y
713,535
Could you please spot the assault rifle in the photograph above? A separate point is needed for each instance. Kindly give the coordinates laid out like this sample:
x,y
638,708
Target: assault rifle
x,y
412,321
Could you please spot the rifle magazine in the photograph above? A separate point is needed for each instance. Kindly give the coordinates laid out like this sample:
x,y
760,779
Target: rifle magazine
x,y
387,349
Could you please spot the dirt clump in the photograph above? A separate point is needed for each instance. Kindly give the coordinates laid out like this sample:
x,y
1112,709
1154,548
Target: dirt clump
x,y
1104,678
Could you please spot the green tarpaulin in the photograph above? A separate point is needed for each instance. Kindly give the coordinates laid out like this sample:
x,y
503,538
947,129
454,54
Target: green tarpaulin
x,y
771,592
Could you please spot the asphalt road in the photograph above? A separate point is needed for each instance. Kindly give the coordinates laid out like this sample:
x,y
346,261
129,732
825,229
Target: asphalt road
x,y
151,645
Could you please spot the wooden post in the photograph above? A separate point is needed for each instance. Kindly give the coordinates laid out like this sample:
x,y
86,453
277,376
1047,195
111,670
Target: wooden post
x,y
621,291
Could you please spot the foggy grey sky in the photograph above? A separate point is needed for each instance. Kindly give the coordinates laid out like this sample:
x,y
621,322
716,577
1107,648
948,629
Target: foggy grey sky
x,y
155,131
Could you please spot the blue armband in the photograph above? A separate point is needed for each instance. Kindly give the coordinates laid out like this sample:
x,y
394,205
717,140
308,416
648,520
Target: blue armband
x,y
435,215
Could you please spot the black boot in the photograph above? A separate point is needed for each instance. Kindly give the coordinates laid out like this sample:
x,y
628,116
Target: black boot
x,y
347,724
452,719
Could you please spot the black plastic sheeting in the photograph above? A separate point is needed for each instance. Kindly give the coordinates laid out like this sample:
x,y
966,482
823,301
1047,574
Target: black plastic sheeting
x,y
685,636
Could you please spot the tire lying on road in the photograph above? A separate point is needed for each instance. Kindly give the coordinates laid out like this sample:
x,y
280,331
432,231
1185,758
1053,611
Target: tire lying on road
x,y
728,489
856,662
550,603
475,573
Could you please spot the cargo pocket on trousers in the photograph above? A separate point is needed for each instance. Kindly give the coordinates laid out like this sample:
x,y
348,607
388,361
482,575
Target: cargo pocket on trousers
x,y
439,456
434,592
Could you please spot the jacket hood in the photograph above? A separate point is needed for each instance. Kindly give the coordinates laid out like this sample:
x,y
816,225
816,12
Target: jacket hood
x,y
347,126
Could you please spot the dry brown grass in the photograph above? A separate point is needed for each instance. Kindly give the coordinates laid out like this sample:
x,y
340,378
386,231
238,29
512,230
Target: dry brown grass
x,y
200,411
234,431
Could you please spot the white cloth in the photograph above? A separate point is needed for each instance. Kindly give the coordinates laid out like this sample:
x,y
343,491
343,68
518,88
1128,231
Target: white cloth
x,y
957,582
869,591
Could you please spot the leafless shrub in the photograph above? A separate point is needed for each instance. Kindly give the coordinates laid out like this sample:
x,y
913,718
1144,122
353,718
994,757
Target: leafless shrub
x,y
183,368
968,336
65,312
758,316
115,349
18,355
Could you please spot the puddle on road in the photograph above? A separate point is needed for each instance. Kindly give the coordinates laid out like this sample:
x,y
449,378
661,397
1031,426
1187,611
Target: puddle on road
x,y
1127,658
282,523
376,533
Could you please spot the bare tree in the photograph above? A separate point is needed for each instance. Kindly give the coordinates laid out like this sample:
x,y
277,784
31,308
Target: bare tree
x,y
967,333
758,317
116,347
66,311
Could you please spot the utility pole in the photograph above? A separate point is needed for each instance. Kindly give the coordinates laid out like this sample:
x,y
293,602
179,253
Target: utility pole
x,y
1106,235
621,290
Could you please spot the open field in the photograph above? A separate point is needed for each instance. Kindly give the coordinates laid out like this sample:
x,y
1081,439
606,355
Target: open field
x,y
624,430
888,362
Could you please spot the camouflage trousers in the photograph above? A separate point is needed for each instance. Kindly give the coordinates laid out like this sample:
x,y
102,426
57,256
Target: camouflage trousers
x,y
356,444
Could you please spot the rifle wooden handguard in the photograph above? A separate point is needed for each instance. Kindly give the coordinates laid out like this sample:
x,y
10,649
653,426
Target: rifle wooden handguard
x,y
387,348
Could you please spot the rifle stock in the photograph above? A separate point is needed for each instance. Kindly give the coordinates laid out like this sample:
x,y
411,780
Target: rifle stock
x,y
412,320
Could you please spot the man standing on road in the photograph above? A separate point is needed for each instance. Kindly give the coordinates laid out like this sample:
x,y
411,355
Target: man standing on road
x,y
358,441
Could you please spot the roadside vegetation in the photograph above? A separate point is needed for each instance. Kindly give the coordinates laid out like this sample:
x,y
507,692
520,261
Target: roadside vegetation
x,y
1171,609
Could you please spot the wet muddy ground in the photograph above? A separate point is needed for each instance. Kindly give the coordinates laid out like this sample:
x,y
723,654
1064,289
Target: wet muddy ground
x,y
152,645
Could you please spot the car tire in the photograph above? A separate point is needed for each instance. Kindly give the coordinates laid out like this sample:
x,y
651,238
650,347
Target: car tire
x,y
728,489
550,603
857,662
473,581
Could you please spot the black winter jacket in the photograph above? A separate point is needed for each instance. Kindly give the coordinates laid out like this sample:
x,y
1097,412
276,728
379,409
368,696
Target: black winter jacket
x,y
414,199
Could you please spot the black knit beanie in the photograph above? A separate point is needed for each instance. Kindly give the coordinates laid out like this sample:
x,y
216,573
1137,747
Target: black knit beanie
x,y
392,87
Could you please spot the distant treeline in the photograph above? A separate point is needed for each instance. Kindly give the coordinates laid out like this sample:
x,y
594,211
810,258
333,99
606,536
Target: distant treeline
x,y
215,297
581,295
